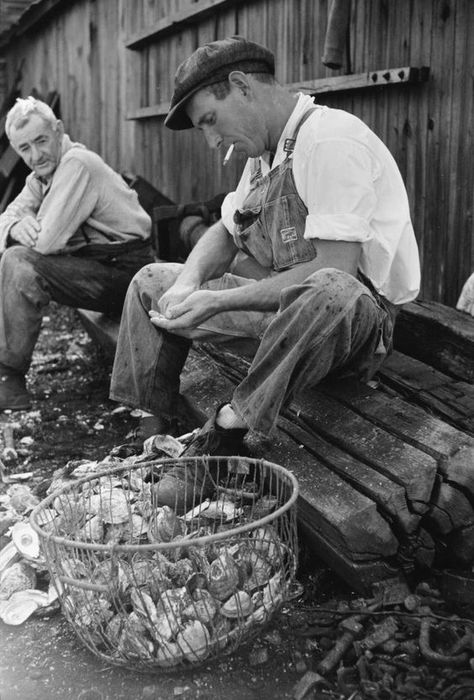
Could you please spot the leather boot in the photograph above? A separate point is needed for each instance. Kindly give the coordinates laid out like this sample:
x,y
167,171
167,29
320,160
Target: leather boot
x,y
13,393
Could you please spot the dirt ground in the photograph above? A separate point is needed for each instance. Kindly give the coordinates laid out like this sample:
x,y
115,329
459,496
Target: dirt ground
x,y
42,659
72,418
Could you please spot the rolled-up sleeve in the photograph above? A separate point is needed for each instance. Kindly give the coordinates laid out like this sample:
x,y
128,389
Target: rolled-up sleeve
x,y
338,189
26,203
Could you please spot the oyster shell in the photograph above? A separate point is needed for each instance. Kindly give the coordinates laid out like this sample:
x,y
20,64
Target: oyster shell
x,y
158,582
165,525
140,572
21,605
194,641
134,641
72,514
8,555
273,592
237,606
112,505
92,530
112,573
18,577
223,576
86,608
223,510
22,499
266,542
174,600
144,606
257,569
114,628
203,607
220,631
166,627
264,506
74,568
26,540
168,654
180,571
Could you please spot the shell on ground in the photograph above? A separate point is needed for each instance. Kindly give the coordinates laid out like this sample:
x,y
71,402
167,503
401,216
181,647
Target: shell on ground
x,y
21,605
18,577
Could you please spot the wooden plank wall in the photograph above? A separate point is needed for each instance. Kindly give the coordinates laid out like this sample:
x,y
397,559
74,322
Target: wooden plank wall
x,y
428,127
80,52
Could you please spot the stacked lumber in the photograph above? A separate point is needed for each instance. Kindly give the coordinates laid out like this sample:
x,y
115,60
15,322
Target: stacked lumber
x,y
385,485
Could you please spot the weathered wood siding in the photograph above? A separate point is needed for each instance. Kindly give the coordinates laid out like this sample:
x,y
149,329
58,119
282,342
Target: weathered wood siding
x,y
80,51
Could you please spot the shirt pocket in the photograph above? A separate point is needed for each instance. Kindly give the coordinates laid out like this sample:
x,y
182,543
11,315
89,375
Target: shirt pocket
x,y
284,220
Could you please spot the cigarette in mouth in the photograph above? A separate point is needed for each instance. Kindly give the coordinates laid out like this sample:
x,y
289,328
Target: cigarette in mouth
x,y
228,155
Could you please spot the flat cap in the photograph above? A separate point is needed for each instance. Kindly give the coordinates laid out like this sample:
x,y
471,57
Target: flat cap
x,y
211,64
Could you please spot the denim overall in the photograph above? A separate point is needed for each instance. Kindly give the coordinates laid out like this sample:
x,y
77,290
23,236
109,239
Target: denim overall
x,y
271,223
330,323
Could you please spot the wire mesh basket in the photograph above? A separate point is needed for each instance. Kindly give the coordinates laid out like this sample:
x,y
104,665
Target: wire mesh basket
x,y
151,587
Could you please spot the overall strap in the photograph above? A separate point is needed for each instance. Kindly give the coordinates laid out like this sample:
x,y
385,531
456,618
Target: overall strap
x,y
289,145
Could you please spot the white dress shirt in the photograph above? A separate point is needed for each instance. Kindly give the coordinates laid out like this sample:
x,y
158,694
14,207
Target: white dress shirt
x,y
353,190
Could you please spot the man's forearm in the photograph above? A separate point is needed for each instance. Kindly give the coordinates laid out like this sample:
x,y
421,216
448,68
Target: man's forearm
x,y
264,295
210,257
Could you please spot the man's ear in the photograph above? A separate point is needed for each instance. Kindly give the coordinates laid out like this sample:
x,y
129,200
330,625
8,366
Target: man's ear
x,y
240,81
60,128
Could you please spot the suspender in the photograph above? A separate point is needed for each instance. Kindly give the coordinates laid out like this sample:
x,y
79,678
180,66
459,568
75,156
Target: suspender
x,y
288,146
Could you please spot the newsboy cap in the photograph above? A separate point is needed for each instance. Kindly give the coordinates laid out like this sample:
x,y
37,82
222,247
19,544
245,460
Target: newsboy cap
x,y
211,64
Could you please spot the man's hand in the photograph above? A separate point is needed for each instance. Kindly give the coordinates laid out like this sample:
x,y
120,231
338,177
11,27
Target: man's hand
x,y
26,231
174,295
187,314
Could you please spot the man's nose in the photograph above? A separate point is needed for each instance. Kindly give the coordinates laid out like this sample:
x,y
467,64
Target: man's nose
x,y
213,139
35,153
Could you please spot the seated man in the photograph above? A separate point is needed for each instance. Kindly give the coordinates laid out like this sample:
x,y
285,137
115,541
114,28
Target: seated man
x,y
75,234
320,207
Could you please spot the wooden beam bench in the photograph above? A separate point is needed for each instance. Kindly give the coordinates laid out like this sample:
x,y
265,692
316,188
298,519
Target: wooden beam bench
x,y
386,472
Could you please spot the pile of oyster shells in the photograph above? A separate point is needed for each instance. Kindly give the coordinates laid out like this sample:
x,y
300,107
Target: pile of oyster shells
x,y
24,581
168,596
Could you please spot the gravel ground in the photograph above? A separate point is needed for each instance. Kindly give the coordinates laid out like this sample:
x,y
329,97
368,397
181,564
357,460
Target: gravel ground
x,y
72,418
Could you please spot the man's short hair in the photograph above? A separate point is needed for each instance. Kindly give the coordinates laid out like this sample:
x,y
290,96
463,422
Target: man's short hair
x,y
23,109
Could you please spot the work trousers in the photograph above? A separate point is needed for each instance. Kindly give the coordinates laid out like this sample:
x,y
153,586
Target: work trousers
x,y
330,323
29,281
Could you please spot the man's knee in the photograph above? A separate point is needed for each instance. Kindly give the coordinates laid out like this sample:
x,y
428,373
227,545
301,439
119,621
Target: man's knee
x,y
18,261
156,278
327,288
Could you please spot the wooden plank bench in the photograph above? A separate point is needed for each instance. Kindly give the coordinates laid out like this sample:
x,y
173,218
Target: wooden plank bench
x,y
386,477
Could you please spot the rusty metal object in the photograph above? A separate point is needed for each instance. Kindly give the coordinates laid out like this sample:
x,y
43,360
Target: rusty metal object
x,y
306,683
381,633
434,657
352,628
9,453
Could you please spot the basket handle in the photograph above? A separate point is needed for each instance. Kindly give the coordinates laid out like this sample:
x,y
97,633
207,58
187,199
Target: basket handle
x,y
86,585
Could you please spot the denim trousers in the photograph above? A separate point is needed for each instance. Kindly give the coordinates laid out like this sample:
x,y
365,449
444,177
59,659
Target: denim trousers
x,y
330,323
29,281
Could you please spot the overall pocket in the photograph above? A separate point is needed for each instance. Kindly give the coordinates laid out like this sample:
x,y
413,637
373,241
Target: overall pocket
x,y
284,222
250,236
